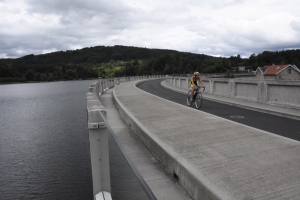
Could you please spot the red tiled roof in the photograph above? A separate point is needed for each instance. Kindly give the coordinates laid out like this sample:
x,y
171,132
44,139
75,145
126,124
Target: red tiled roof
x,y
274,69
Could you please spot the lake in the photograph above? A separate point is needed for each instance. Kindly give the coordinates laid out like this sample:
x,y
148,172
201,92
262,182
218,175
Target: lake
x,y
44,144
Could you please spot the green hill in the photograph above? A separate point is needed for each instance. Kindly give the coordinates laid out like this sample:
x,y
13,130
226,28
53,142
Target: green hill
x,y
128,61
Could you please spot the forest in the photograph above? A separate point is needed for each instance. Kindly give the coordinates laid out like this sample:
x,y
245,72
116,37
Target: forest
x,y
117,61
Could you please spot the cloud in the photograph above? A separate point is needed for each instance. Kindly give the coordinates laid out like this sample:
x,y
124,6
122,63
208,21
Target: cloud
x,y
213,27
78,6
295,25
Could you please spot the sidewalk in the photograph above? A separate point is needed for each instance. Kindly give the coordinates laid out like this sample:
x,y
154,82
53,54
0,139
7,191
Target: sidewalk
x,y
211,157
275,110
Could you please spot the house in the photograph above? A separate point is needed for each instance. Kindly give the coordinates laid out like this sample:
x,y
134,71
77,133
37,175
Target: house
x,y
242,68
278,72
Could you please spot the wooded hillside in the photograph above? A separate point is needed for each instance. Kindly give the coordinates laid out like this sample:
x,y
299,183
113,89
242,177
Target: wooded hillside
x,y
102,61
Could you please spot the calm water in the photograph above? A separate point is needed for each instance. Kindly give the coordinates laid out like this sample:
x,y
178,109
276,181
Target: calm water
x,y
44,147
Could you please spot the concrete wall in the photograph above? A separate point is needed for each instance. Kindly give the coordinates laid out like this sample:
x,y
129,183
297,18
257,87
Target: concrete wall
x,y
279,93
246,91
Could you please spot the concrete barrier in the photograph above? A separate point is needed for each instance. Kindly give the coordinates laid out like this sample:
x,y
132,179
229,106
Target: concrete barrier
x,y
278,93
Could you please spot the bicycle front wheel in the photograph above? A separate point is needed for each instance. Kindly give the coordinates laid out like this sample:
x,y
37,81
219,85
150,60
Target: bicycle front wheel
x,y
198,100
188,98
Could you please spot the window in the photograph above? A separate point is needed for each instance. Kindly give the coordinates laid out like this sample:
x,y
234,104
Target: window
x,y
289,71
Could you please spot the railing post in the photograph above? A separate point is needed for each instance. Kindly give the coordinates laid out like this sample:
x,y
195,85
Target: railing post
x,y
98,136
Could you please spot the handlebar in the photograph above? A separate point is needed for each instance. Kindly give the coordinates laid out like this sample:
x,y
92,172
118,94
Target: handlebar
x,y
201,87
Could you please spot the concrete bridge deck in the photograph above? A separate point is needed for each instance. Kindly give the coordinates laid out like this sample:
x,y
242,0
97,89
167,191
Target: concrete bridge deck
x,y
213,158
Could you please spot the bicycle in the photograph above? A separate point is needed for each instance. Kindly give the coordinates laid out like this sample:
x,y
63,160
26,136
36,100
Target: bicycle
x,y
197,97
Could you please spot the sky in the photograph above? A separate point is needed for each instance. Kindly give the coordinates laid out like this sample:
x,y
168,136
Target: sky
x,y
212,27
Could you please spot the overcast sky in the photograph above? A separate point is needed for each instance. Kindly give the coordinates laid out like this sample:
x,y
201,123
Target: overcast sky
x,y
212,27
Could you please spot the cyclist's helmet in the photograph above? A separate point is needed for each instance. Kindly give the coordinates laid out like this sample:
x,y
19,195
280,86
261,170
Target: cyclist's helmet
x,y
196,74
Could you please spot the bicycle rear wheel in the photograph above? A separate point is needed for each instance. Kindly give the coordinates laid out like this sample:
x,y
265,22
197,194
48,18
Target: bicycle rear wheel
x,y
198,100
188,98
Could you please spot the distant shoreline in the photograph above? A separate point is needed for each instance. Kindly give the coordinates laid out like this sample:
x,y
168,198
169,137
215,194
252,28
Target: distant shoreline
x,y
10,83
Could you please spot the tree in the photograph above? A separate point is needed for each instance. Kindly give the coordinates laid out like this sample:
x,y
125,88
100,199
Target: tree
x,y
167,69
29,75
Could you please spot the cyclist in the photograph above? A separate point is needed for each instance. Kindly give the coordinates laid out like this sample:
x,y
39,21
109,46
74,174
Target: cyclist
x,y
193,83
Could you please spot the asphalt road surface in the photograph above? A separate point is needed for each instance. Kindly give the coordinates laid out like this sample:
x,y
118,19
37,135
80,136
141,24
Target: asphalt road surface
x,y
286,127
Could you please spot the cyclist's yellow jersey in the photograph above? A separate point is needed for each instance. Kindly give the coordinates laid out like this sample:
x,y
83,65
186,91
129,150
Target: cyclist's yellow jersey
x,y
194,79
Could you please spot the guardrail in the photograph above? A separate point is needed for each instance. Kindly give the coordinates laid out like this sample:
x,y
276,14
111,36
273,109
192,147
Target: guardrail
x,y
98,137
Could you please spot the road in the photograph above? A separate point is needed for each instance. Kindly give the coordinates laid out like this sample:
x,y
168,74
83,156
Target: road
x,y
285,127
